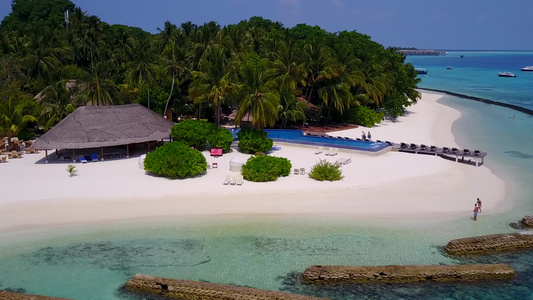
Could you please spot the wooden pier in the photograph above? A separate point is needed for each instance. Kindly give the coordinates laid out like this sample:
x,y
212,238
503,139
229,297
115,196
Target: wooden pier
x,y
459,155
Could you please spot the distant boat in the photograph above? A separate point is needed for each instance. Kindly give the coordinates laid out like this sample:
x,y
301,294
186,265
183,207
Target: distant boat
x,y
449,68
506,74
421,71
461,56
528,68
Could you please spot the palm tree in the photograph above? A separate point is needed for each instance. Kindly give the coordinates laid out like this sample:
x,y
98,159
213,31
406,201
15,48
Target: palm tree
x,y
176,63
290,108
100,90
256,87
288,63
12,119
320,65
141,68
57,103
210,83
337,92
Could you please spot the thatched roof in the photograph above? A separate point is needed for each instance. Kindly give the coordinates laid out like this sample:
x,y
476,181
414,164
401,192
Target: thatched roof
x,y
247,117
103,126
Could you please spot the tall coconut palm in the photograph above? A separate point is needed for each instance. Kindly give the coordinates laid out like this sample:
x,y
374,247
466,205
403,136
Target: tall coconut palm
x,y
257,89
290,109
176,63
210,83
141,68
99,90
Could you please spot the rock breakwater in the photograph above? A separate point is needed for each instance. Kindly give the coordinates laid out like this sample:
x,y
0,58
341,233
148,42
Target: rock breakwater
x,y
405,274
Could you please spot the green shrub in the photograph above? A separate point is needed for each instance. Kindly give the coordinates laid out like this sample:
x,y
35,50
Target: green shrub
x,y
220,138
253,140
265,168
362,115
194,133
26,134
325,170
175,160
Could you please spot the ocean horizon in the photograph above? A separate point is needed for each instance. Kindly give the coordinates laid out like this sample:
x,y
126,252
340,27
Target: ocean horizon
x,y
92,261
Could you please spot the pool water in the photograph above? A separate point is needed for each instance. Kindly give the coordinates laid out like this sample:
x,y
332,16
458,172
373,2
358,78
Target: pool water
x,y
297,137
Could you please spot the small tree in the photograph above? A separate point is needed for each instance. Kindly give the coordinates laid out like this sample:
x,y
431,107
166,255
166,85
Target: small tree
x,y
265,168
220,138
72,171
175,160
194,133
325,170
254,140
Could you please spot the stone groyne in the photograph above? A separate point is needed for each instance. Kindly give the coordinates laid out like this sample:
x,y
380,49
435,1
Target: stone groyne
x,y
489,243
405,274
185,289
488,101
5,295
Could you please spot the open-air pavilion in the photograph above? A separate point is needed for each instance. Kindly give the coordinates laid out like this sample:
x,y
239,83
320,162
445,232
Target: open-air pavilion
x,y
105,126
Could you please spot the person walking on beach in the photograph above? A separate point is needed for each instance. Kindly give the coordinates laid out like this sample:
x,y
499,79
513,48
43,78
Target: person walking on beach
x,y
479,204
363,136
369,135
476,210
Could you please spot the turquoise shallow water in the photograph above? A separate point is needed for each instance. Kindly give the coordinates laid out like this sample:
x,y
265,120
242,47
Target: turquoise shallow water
x,y
93,261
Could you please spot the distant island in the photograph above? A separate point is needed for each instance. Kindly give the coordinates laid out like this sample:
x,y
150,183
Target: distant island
x,y
415,51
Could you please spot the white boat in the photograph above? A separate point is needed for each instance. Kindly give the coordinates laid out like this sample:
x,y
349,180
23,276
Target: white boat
x,y
506,74
449,68
528,68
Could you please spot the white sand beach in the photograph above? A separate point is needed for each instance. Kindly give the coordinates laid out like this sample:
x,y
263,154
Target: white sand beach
x,y
390,186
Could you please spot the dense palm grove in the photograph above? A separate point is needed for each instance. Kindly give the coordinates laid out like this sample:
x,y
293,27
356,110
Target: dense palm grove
x,y
257,67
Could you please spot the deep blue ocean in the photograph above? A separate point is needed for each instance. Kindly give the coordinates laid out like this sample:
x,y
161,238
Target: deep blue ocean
x,y
93,261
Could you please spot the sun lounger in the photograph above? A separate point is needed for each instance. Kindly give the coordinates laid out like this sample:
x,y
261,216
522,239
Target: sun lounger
x,y
433,148
215,165
333,152
4,159
445,149
240,180
296,171
216,152
302,171
319,151
82,159
94,157
10,155
343,161
233,180
227,180
403,145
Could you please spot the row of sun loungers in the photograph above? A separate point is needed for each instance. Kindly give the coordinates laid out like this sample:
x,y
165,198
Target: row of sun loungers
x,y
405,147
233,180
327,151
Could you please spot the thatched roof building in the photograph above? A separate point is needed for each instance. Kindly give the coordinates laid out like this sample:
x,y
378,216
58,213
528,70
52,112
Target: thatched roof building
x,y
104,126
247,117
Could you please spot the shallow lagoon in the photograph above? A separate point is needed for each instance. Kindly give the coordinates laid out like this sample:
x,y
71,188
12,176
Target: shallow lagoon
x,y
93,261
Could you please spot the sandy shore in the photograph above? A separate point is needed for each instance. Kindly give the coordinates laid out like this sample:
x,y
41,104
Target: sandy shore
x,y
393,185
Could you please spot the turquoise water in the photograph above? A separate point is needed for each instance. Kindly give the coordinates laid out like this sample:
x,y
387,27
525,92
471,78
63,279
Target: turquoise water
x,y
94,261
476,74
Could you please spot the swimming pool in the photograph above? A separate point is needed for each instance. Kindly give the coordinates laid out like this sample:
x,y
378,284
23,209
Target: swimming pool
x,y
297,137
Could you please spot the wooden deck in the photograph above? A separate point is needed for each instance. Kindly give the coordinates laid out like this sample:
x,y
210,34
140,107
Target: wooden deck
x,y
459,155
